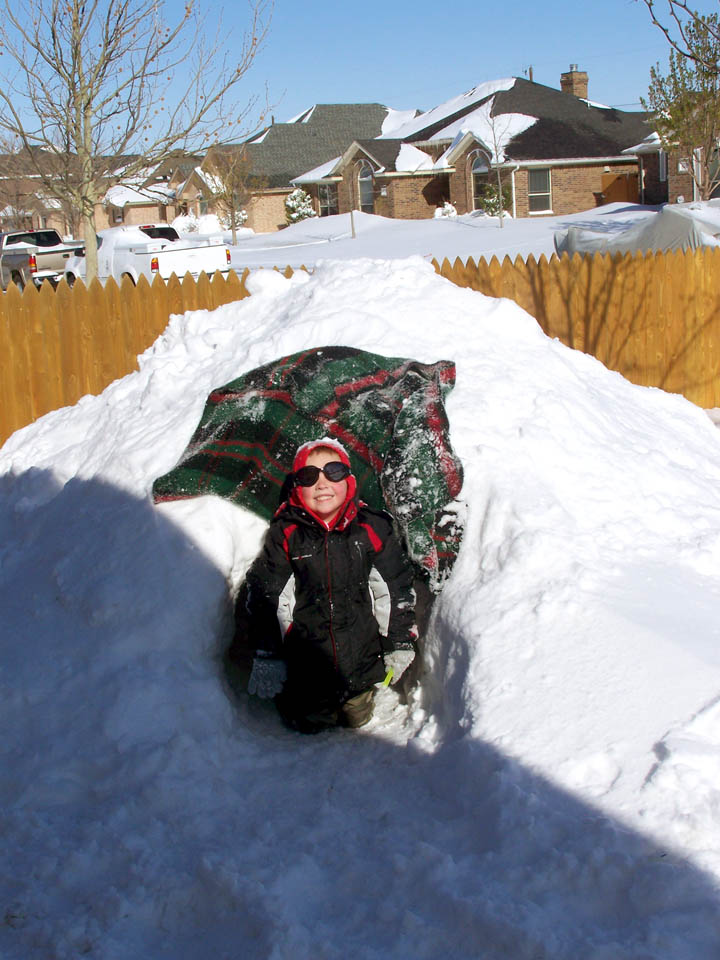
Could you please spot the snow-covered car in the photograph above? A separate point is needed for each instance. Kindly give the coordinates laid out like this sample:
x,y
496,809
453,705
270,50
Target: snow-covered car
x,y
674,227
154,249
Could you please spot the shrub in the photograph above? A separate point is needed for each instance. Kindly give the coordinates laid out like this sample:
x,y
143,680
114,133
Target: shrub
x,y
298,206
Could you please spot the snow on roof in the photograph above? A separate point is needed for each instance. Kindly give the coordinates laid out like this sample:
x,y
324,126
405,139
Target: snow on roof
x,y
211,180
299,116
317,173
122,195
594,103
396,119
493,132
448,110
410,159
50,203
651,144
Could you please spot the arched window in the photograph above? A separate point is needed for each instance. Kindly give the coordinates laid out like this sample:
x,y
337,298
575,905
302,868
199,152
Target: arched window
x,y
479,170
366,187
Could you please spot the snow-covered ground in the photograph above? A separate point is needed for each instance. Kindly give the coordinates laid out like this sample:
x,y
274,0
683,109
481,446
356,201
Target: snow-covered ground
x,y
472,235
548,792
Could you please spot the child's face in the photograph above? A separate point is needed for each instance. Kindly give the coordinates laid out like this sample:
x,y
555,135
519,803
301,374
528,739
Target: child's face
x,y
325,498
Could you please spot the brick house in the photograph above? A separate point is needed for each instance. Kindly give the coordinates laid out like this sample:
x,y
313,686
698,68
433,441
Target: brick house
x,y
283,150
557,153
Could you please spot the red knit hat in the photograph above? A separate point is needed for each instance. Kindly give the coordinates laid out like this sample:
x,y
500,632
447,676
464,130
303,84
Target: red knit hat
x,y
300,461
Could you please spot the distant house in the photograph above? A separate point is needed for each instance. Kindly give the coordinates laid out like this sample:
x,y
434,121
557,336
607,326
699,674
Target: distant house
x,y
24,201
282,151
557,152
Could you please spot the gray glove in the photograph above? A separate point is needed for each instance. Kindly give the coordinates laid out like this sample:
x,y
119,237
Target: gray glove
x,y
398,661
267,677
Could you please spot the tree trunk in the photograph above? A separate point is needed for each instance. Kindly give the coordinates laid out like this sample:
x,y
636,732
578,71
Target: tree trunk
x,y
500,198
90,240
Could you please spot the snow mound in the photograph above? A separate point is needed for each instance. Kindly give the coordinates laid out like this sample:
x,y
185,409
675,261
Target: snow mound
x,y
549,788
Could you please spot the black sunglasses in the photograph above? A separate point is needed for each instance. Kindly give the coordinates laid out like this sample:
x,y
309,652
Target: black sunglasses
x,y
335,471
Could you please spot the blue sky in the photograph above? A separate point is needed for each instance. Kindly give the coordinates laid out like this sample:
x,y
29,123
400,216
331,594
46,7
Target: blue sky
x,y
418,54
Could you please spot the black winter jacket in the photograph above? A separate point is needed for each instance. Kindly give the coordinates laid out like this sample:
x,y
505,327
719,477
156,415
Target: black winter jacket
x,y
353,598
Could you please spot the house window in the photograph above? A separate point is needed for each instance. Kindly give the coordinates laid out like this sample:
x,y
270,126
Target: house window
x,y
480,170
328,199
539,191
662,166
366,188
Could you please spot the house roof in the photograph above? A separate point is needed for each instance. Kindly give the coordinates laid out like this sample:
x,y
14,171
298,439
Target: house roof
x,y
441,122
558,124
540,123
567,126
285,150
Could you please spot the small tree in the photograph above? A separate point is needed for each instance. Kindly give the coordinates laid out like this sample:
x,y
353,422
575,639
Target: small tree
x,y
490,199
496,198
233,221
100,92
229,174
299,206
685,102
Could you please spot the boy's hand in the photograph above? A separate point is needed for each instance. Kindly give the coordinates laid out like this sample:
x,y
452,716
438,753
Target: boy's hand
x,y
398,661
267,677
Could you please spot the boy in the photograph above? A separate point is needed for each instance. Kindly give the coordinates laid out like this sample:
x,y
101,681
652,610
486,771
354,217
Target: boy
x,y
330,598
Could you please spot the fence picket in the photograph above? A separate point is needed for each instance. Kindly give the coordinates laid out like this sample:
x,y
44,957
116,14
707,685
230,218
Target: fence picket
x,y
12,397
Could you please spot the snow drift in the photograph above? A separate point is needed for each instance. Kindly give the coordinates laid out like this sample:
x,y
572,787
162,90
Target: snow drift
x,y
548,791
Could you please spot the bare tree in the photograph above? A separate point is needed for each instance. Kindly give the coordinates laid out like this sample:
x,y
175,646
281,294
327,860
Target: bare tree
x,y
99,92
231,180
494,198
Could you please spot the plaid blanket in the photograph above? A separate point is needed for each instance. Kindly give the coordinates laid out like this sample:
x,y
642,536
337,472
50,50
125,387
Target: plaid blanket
x,y
387,411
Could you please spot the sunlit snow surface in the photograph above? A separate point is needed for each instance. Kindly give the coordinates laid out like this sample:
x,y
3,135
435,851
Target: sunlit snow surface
x,y
550,790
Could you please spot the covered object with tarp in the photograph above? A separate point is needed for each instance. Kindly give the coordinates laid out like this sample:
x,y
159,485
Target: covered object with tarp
x,y
388,412
672,228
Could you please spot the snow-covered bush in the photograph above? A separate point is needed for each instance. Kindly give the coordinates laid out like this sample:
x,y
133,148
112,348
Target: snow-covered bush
x,y
226,219
185,223
298,206
209,224
446,210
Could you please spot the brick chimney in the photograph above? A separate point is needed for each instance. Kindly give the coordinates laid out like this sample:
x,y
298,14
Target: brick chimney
x,y
575,82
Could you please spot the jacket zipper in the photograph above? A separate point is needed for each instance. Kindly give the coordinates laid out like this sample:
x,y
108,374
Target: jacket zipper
x,y
330,597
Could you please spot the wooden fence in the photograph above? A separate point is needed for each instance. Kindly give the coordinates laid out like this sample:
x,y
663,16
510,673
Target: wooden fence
x,y
654,318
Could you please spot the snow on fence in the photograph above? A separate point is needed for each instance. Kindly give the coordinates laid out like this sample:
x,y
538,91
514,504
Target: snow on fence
x,y
653,318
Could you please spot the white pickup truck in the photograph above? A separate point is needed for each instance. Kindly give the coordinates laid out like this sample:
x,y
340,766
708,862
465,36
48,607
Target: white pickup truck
x,y
44,246
154,249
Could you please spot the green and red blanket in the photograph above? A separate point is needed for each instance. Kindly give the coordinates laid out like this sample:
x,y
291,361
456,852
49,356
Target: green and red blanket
x,y
387,411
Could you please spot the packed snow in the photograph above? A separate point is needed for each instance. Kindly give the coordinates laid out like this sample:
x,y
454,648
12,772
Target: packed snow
x,y
469,235
548,790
